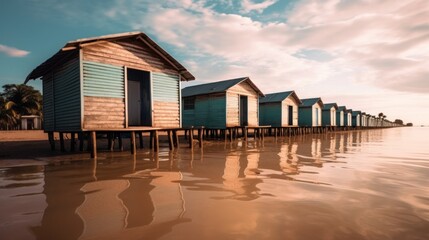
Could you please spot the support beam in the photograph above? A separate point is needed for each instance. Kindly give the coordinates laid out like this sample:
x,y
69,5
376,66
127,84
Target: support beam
x,y
93,144
51,140
62,148
133,143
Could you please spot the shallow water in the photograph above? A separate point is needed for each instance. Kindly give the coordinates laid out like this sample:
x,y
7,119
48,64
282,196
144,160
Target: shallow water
x,y
352,185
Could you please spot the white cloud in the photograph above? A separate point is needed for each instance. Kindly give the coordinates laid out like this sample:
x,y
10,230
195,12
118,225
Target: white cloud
x,y
13,52
249,5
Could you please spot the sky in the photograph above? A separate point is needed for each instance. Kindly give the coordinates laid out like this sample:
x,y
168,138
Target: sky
x,y
368,55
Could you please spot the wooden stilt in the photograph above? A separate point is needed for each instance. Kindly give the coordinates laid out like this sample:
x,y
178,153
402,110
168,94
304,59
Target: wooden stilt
x,y
191,138
156,141
72,141
121,146
170,140
151,139
110,141
200,138
245,133
81,141
93,144
62,148
133,142
176,139
51,140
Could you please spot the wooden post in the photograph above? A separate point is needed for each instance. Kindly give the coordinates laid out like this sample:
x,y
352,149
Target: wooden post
x,y
62,148
141,139
200,137
81,140
170,140
93,144
156,141
72,141
245,133
151,139
176,139
51,140
133,143
121,146
191,138
111,141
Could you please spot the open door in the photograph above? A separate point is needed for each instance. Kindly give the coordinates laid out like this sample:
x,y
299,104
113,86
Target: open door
x,y
139,98
243,111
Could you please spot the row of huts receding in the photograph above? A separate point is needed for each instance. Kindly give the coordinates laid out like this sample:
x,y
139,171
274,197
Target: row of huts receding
x,y
127,81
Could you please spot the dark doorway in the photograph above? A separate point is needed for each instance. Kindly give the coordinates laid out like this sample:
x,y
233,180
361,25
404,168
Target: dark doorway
x,y
290,115
139,98
243,111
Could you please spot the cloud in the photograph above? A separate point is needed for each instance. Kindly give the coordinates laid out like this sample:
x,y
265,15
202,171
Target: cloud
x,y
13,52
249,5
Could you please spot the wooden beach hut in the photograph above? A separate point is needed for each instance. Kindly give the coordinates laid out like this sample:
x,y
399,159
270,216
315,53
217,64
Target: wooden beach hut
x,y
340,116
310,112
121,82
356,118
223,104
111,82
329,114
279,109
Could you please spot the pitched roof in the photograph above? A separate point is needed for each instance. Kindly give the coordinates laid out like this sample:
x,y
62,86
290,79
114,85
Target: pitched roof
x,y
217,87
328,106
355,113
279,97
71,50
309,102
342,108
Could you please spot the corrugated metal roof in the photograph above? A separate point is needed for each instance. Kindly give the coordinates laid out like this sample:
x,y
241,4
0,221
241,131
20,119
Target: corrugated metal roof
x,y
309,102
70,50
279,97
216,87
328,106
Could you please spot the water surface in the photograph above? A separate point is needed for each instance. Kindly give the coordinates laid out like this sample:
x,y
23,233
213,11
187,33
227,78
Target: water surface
x,y
351,185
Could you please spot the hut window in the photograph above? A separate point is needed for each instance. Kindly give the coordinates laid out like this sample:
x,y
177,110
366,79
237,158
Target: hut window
x,y
189,103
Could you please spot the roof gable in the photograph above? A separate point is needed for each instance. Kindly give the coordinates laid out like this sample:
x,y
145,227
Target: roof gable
x,y
217,87
328,106
70,50
279,97
309,102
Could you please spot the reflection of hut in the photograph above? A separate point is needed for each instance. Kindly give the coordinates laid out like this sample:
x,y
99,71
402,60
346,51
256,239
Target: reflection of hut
x,y
30,122
229,103
310,112
279,109
111,82
288,158
329,117
356,118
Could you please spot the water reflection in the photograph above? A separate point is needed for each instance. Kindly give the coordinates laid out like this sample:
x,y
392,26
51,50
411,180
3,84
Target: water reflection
x,y
317,185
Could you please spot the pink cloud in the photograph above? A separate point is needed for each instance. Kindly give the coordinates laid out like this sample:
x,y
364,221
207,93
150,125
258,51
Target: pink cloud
x,y
13,52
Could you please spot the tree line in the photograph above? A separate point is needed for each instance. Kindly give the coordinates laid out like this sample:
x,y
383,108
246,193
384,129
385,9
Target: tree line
x,y
17,100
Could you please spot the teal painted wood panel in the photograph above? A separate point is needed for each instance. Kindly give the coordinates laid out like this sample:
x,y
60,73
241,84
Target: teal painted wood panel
x,y
210,111
188,118
48,103
305,117
270,114
66,96
103,80
326,117
165,87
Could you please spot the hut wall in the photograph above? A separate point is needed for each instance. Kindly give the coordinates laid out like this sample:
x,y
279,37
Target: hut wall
x,y
166,100
137,55
340,118
349,119
356,120
243,89
305,117
285,112
104,96
61,98
271,114
326,117
210,111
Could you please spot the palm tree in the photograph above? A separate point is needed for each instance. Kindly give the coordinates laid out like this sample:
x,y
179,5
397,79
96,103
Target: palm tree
x,y
22,100
8,117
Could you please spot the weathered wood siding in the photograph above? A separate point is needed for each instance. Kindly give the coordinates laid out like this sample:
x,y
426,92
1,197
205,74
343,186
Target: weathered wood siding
x,y
329,117
104,96
104,113
305,117
166,100
233,104
271,114
232,109
285,111
130,53
61,98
